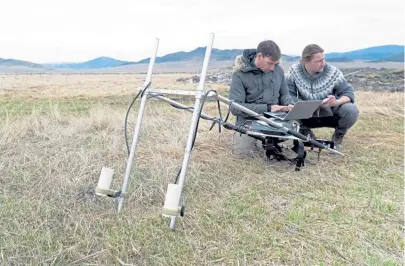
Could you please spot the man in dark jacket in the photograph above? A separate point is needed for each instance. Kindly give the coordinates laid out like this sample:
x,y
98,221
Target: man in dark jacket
x,y
258,83
314,79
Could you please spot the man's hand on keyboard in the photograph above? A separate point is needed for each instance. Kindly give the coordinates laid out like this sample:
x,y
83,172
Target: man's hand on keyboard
x,y
281,108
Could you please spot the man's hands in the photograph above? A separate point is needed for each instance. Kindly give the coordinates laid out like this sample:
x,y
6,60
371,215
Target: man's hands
x,y
330,101
281,108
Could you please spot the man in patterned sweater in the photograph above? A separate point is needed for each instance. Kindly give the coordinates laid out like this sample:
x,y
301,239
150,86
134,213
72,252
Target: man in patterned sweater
x,y
314,79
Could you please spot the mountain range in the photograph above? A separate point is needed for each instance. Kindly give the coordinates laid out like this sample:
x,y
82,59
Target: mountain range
x,y
390,53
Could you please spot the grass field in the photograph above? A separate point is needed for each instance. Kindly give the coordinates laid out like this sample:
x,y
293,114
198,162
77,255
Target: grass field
x,y
57,131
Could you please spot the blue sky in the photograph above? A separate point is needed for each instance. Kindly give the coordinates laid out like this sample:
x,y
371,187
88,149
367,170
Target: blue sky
x,y
70,31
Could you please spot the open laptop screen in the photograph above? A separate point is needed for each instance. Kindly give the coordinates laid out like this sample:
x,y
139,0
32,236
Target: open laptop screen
x,y
301,110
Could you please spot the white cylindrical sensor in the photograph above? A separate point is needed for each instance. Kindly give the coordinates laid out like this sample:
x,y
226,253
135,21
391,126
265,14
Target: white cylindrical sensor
x,y
172,200
104,182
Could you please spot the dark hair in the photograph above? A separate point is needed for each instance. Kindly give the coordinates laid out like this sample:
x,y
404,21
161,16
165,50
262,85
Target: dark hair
x,y
310,50
269,49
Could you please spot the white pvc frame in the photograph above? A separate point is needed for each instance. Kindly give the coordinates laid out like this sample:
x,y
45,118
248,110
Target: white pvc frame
x,y
157,93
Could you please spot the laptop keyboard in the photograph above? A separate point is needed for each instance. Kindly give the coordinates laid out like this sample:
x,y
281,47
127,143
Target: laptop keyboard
x,y
279,114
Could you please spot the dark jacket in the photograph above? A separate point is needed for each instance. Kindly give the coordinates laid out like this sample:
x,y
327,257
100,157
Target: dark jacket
x,y
255,89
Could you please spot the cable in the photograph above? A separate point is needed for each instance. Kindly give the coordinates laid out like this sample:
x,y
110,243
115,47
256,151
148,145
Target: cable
x,y
141,92
229,111
318,158
182,108
154,95
196,128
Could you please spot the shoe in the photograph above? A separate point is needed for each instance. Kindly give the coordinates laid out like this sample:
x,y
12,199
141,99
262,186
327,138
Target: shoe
x,y
337,138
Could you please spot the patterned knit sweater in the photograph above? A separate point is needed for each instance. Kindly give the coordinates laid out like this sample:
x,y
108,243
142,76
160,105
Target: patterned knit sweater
x,y
329,82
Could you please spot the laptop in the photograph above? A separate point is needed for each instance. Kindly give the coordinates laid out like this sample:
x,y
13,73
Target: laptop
x,y
301,110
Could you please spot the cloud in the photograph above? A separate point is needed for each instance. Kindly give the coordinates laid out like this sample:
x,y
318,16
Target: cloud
x,y
47,31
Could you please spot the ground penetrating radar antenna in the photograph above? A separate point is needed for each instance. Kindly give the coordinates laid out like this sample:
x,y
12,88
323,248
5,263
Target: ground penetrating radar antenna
x,y
174,197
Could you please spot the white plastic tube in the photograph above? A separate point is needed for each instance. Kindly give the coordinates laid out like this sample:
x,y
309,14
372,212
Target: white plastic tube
x,y
104,182
171,206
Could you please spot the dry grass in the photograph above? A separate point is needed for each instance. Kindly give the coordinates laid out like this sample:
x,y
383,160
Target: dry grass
x,y
343,211
46,86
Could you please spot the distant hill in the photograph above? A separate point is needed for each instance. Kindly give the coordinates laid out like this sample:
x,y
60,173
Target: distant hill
x,y
100,62
376,53
198,54
391,53
18,63
395,58
339,59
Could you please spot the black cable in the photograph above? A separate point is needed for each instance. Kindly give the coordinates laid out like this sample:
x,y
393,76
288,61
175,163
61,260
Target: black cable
x,y
220,117
221,121
154,95
319,157
229,111
141,92
183,108
218,120
144,89
196,128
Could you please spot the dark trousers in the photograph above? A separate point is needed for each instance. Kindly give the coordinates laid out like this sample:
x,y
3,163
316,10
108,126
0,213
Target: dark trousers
x,y
344,117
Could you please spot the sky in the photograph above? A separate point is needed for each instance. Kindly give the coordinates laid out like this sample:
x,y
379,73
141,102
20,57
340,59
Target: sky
x,y
44,31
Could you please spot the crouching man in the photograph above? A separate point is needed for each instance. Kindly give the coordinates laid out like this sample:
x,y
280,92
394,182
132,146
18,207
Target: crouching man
x,y
314,79
258,83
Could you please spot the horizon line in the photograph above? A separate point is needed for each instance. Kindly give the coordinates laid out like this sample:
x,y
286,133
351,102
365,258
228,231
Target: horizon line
x,y
78,62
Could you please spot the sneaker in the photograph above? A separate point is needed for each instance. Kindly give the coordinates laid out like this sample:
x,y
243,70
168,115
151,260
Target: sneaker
x,y
337,138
